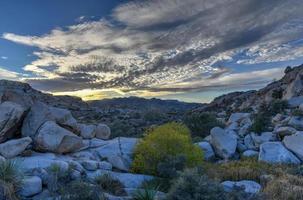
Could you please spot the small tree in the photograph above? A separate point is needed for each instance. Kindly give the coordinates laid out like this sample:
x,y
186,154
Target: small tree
x,y
171,139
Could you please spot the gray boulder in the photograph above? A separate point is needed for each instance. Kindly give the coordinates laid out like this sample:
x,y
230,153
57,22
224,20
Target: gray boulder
x,y
11,115
12,148
31,186
251,187
249,142
250,153
296,122
53,138
118,152
103,131
295,101
207,150
223,143
262,138
295,144
284,131
275,152
87,131
238,117
41,113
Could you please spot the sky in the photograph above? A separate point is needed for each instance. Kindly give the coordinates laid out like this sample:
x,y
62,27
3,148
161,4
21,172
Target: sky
x,y
191,50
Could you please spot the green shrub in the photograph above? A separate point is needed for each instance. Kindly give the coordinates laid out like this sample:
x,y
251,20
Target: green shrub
x,y
260,123
277,94
277,106
200,124
78,190
10,179
153,115
193,186
57,178
171,139
121,128
297,112
110,185
149,192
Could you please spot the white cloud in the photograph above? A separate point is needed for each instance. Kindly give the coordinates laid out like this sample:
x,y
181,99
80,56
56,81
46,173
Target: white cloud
x,y
4,57
9,75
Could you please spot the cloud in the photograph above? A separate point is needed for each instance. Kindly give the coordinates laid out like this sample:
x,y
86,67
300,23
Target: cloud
x,y
167,46
4,57
9,75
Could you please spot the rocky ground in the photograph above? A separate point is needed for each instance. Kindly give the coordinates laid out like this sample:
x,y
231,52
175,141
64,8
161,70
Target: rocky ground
x,y
41,131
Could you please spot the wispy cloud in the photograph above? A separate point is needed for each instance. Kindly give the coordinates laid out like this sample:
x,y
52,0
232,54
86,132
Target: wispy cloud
x,y
9,75
4,57
167,46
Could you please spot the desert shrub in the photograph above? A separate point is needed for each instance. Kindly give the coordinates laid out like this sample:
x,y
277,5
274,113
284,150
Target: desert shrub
x,y
110,185
153,115
297,112
149,192
245,169
78,190
121,128
57,177
296,170
200,124
171,139
170,166
260,123
191,185
286,187
10,179
277,94
277,106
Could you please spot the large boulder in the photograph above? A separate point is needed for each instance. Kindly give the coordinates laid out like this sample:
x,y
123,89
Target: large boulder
x,y
41,113
11,115
275,152
223,143
53,138
295,144
118,152
31,186
207,150
103,131
127,179
12,148
249,186
295,101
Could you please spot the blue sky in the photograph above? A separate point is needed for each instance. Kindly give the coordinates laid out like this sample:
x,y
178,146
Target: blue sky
x,y
190,50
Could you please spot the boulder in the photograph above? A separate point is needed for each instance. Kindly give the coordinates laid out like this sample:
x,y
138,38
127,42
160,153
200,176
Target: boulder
x,y
103,131
31,186
118,152
262,138
87,131
53,138
43,161
275,152
105,165
207,150
295,101
296,122
90,165
251,187
41,113
11,115
284,131
250,153
223,143
238,117
12,148
127,179
249,142
295,144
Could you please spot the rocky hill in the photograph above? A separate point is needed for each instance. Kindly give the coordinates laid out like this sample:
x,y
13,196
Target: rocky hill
x,y
291,85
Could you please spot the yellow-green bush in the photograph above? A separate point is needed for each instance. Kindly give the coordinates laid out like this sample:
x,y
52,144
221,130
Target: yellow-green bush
x,y
170,139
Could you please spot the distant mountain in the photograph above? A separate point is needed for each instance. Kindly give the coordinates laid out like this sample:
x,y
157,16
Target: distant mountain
x,y
136,103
